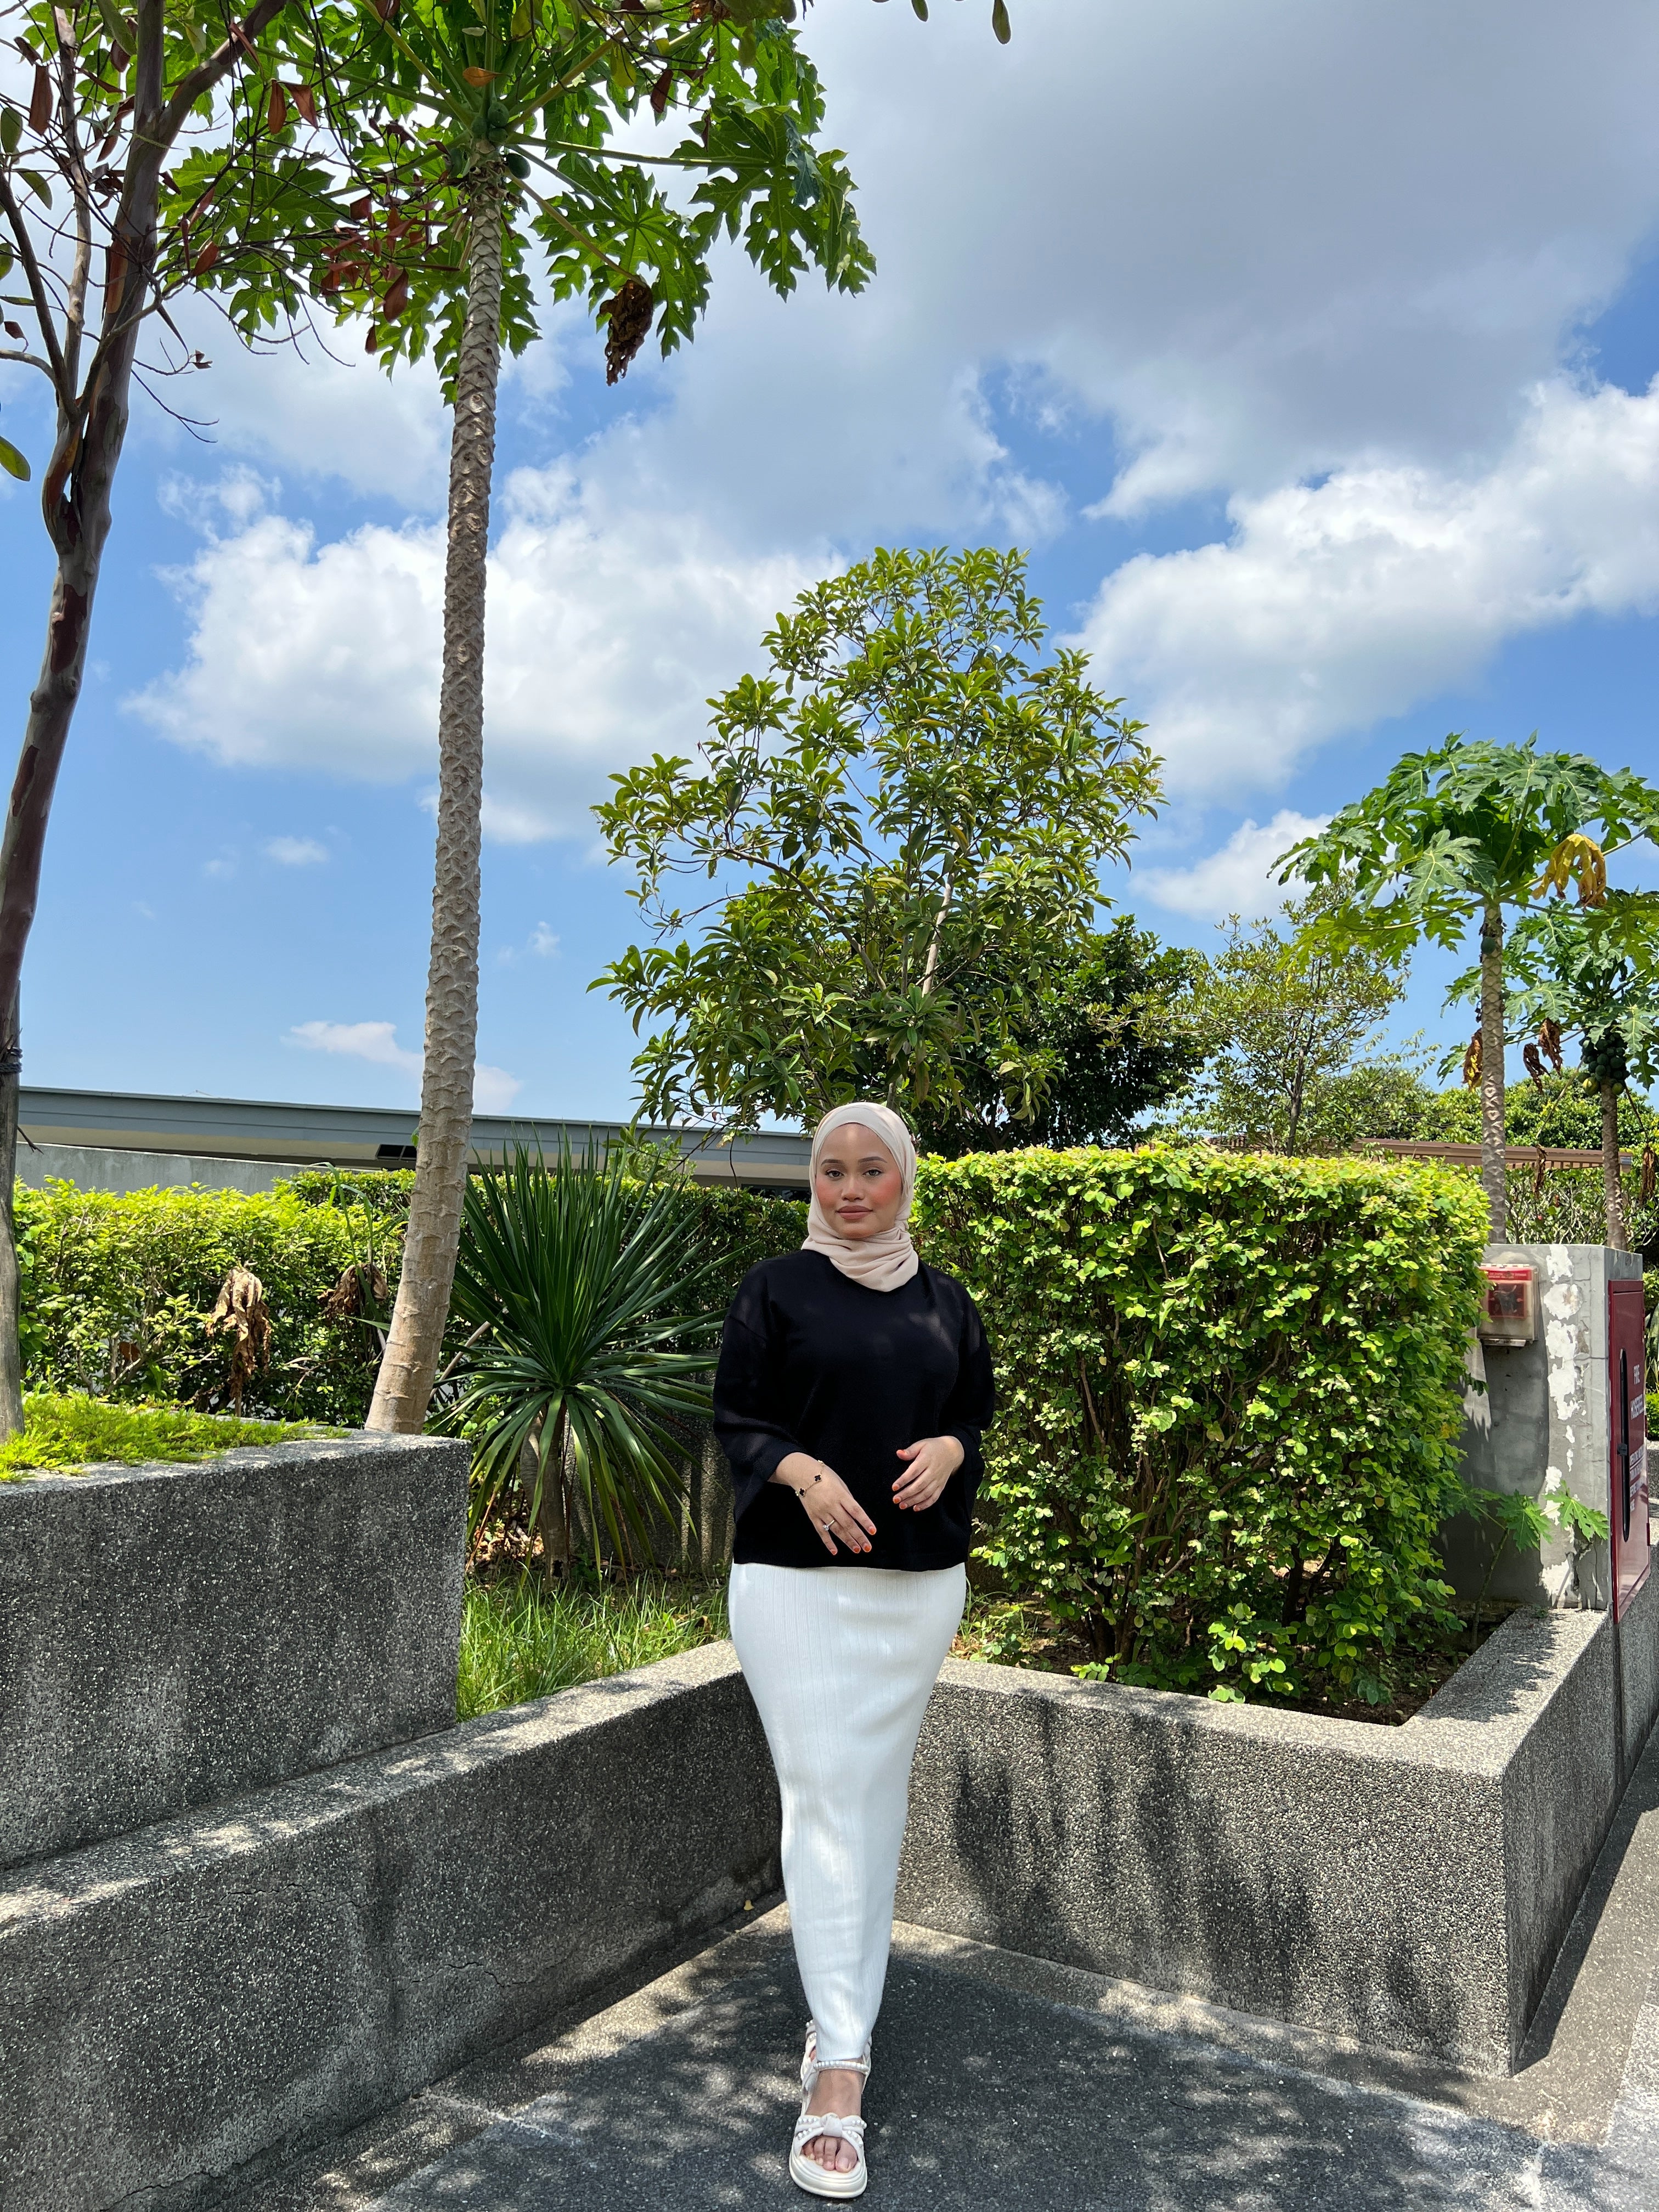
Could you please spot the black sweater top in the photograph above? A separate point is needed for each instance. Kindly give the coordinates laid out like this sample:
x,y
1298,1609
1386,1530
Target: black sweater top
x,y
811,1361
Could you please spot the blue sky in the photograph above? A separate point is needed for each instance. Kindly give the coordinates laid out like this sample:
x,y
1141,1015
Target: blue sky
x,y
1309,350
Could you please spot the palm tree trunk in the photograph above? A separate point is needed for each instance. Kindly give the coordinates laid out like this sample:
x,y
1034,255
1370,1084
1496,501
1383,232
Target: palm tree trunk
x,y
415,1337
1612,1191
1491,1069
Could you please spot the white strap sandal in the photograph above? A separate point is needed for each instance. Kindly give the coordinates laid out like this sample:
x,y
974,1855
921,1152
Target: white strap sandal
x,y
807,2173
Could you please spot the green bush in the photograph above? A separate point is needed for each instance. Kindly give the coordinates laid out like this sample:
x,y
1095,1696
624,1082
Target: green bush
x,y
116,1292
1230,1392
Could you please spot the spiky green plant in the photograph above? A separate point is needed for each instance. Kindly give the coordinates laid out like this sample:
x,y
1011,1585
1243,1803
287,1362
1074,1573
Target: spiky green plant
x,y
590,1355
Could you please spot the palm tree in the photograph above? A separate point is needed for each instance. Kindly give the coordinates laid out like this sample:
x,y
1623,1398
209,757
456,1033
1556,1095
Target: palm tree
x,y
486,129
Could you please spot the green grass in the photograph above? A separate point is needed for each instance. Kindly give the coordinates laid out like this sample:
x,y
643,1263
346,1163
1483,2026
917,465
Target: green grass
x,y
66,1433
520,1641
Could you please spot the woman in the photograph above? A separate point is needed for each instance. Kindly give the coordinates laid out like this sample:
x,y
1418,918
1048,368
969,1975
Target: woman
x,y
854,1383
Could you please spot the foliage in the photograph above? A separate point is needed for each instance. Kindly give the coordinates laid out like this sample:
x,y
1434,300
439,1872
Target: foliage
x,y
67,1431
422,103
1559,1206
590,1351
733,1225
1560,1110
521,1640
376,1190
1516,1520
1110,1024
904,822
1230,1395
1470,823
117,1293
1458,836
334,146
1291,1021
1571,973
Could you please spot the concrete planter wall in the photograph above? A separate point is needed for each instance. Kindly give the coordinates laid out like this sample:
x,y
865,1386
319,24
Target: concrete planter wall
x,y
170,1635
310,1952
1408,1886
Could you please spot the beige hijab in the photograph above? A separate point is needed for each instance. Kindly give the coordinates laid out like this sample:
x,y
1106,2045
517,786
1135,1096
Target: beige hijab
x,y
888,1259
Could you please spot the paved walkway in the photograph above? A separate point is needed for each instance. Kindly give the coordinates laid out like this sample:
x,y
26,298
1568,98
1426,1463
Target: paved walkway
x,y
1009,2085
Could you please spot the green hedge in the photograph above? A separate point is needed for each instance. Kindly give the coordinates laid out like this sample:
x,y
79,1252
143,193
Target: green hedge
x,y
115,1293
116,1290
1230,1396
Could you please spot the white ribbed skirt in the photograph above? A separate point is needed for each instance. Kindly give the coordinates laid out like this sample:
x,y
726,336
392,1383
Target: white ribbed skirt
x,y
840,1661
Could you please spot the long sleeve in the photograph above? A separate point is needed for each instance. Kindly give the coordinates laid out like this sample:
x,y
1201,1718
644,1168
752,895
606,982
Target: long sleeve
x,y
971,1405
747,1419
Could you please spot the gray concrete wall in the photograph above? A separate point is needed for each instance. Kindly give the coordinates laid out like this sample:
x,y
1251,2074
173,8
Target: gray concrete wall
x,y
1542,1416
171,1635
100,1167
235,1983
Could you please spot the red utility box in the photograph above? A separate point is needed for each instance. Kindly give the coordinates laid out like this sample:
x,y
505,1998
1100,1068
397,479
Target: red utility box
x,y
1627,1420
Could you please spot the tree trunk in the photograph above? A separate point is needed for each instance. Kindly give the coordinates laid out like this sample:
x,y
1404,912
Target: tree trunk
x,y
11,1360
1491,1071
75,500
415,1337
1612,1190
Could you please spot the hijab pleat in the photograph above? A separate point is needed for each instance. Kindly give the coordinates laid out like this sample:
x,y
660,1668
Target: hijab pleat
x,y
888,1259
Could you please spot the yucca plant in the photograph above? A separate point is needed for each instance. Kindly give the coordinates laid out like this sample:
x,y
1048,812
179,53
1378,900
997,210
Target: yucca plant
x,y
590,1353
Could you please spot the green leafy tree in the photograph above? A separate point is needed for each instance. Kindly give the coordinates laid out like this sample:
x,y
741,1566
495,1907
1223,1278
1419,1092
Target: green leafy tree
x,y
1572,971
1453,838
1292,1021
136,162
903,825
1110,1026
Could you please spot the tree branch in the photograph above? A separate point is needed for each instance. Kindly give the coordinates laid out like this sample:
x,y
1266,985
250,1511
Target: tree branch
x,y
73,168
32,361
216,67
38,295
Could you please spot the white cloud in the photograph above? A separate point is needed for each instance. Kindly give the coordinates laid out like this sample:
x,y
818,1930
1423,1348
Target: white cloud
x,y
493,1089
608,628
1240,877
376,1042
219,871
1337,244
1332,607
295,852
544,941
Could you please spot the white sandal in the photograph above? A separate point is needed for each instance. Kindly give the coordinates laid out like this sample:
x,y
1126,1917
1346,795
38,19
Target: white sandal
x,y
807,2173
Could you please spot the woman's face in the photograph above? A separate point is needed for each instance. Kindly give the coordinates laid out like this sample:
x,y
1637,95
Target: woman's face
x,y
858,1183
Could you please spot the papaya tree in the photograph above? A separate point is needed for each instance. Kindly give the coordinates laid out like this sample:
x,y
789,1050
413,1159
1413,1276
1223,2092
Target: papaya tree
x,y
1455,838
604,148
1592,973
147,153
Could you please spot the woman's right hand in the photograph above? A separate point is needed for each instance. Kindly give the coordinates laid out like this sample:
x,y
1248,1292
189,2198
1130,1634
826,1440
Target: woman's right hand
x,y
830,1505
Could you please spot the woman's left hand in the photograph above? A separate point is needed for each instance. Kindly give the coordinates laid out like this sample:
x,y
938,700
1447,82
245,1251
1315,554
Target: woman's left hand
x,y
931,1464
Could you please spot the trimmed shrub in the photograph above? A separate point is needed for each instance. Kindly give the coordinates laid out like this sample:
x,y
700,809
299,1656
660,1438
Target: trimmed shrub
x,y
116,1294
1230,1392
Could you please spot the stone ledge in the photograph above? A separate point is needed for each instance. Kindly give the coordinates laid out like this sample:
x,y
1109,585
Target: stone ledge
x,y
171,1635
232,1985
1408,1886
